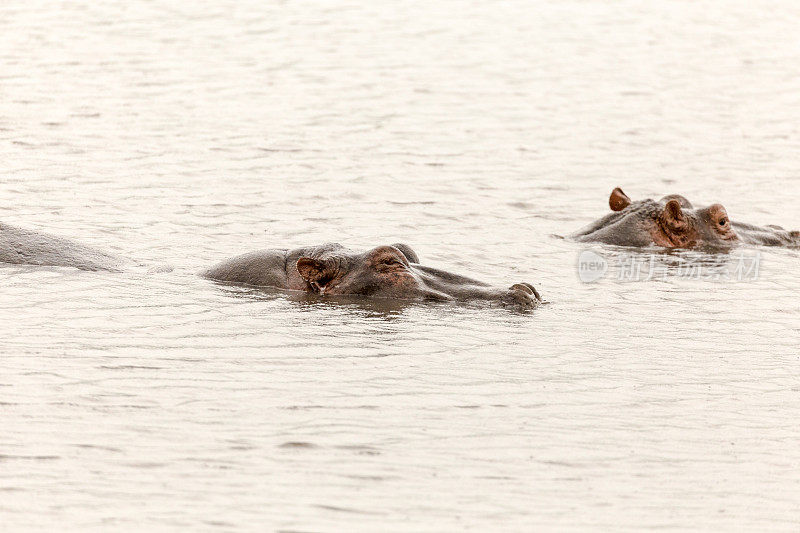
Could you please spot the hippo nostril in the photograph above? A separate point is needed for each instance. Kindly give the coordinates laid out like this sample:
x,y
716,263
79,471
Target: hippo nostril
x,y
530,289
536,293
524,287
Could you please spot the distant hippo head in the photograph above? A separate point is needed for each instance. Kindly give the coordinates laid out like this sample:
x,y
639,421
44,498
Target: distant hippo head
x,y
672,222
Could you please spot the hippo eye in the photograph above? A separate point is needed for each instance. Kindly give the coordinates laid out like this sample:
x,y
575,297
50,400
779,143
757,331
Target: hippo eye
x,y
390,261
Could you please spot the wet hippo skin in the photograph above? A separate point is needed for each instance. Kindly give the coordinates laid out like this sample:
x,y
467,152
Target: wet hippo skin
x,y
19,246
673,222
383,272
27,247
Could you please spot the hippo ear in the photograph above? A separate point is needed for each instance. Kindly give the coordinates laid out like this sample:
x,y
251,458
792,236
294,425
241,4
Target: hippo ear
x,y
310,269
618,200
673,215
410,254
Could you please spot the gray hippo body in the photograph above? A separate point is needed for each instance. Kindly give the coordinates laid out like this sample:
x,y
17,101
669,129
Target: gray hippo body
x,y
673,222
19,246
382,272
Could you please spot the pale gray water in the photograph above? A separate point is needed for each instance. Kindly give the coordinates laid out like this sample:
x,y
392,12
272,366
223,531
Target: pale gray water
x,y
187,132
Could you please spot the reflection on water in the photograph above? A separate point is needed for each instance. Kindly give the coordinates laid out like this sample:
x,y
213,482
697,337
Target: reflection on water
x,y
360,305
475,131
309,302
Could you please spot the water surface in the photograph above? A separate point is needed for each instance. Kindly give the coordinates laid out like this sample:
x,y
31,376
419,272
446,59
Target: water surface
x,y
187,132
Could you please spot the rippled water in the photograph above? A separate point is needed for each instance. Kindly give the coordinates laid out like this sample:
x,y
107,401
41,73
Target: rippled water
x,y
187,132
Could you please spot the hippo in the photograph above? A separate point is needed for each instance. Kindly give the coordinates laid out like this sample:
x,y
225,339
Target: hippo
x,y
383,272
19,246
673,222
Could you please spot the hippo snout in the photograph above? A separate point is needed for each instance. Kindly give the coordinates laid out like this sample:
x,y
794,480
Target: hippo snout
x,y
522,296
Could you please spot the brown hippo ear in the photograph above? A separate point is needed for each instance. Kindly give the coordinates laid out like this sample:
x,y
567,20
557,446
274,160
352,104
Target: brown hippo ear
x,y
686,204
673,215
618,200
310,269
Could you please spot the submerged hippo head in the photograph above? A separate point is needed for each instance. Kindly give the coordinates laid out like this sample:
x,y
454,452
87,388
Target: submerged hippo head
x,y
382,272
394,272
672,222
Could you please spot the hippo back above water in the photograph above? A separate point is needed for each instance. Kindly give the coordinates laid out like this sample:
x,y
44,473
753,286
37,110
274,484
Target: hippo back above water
x,y
19,246
673,222
382,272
